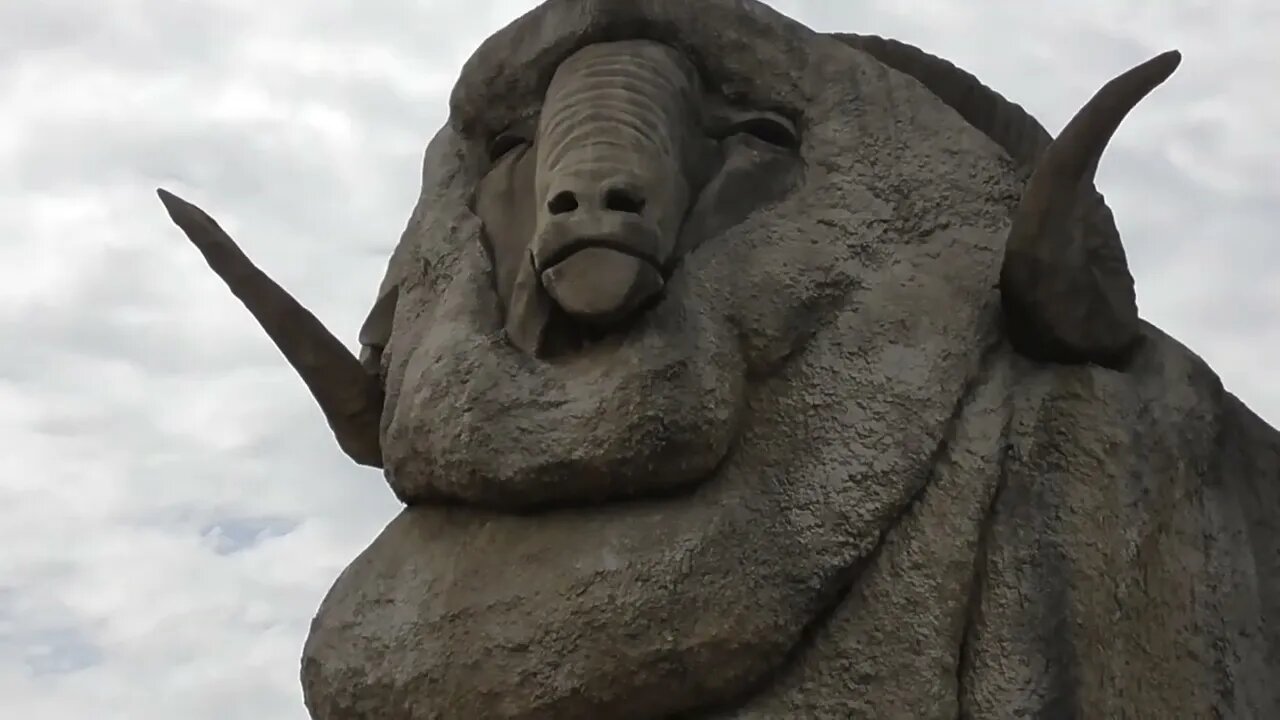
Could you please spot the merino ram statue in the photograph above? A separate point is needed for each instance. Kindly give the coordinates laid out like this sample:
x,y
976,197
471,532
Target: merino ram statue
x,y
728,369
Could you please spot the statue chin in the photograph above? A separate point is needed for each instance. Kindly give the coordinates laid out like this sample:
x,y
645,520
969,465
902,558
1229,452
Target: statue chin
x,y
640,413
569,614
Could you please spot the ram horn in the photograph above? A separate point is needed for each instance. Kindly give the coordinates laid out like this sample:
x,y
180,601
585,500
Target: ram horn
x,y
1067,298
350,398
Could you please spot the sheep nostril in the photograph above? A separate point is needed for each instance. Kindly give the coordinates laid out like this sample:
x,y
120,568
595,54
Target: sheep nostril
x,y
562,202
623,200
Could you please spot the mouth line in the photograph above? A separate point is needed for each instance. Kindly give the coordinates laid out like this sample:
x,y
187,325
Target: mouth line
x,y
569,249
565,338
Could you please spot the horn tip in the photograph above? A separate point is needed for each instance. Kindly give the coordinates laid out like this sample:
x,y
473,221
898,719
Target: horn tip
x,y
1165,63
181,212
174,204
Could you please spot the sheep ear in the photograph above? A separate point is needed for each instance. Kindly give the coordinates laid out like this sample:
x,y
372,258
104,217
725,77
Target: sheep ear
x,y
349,397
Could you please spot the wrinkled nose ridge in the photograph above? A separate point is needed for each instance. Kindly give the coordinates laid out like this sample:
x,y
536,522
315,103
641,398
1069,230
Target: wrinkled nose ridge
x,y
610,181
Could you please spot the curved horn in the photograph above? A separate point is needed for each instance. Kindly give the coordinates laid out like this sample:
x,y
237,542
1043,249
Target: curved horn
x,y
349,397
1037,326
1064,299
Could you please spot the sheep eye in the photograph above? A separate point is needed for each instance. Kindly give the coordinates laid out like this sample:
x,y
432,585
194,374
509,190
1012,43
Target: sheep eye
x,y
770,129
505,143
767,127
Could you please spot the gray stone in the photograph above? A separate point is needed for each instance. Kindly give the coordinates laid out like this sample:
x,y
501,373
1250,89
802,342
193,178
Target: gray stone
x,y
732,370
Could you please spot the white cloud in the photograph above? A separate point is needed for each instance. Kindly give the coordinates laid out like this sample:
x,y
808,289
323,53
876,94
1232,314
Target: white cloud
x,y
174,508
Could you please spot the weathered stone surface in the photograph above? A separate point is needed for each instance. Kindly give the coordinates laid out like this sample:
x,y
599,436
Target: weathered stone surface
x,y
1092,544
883,510
810,473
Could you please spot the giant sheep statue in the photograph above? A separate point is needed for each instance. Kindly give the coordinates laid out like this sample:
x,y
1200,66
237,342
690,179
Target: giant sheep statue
x,y
729,369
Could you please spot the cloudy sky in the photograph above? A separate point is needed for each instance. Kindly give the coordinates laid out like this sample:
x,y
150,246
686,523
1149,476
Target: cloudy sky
x,y
172,507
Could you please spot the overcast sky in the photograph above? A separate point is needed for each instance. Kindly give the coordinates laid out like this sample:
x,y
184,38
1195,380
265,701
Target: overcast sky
x,y
172,506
